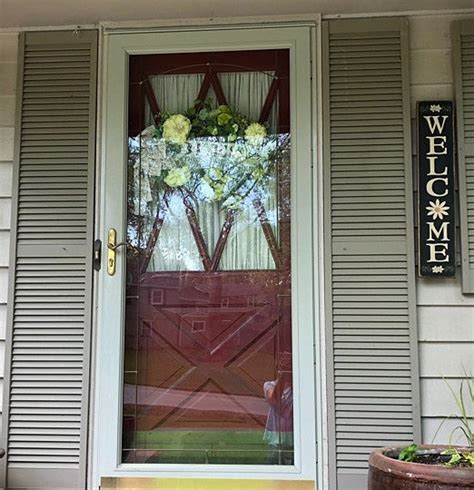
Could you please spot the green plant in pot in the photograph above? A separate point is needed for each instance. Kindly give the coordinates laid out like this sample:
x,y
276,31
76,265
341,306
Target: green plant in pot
x,y
440,467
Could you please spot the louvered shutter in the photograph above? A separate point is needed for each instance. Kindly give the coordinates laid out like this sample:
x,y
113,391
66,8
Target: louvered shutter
x,y
463,57
46,385
369,243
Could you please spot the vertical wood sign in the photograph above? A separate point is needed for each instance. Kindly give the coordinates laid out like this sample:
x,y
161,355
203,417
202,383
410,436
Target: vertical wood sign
x,y
436,205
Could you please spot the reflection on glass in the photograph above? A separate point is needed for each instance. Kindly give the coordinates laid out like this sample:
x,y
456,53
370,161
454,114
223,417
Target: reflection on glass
x,y
279,428
208,364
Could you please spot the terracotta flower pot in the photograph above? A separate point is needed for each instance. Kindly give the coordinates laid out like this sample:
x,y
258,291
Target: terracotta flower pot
x,y
388,473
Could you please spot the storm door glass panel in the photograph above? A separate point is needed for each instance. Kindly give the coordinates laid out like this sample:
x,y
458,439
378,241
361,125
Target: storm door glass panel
x,y
208,354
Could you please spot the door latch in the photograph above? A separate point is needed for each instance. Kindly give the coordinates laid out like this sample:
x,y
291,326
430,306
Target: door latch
x,y
97,249
112,247
111,251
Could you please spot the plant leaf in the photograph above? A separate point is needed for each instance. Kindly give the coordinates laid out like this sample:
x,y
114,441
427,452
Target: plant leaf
x,y
408,453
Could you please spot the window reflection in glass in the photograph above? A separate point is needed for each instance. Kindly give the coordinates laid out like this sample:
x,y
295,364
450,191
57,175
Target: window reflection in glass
x,y
208,363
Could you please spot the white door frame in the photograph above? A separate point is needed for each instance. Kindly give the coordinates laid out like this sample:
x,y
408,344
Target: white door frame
x,y
299,38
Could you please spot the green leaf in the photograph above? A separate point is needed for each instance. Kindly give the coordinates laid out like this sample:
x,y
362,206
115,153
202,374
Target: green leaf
x,y
469,457
455,458
225,109
223,119
408,453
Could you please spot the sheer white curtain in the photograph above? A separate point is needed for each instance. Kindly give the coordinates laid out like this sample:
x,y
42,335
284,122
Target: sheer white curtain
x,y
246,247
245,92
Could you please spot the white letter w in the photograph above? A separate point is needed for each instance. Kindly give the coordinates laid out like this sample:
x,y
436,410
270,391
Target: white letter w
x,y
433,123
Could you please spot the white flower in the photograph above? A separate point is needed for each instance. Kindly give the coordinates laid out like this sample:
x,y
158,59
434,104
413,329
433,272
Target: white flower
x,y
148,132
178,176
255,133
176,129
437,209
435,108
437,269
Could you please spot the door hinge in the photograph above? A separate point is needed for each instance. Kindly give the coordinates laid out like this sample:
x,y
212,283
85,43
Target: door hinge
x,y
96,261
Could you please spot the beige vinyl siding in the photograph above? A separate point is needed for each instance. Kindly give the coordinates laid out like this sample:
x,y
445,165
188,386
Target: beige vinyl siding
x,y
445,315
8,67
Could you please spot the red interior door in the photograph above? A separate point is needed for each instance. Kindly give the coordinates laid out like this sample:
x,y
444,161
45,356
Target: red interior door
x,y
208,376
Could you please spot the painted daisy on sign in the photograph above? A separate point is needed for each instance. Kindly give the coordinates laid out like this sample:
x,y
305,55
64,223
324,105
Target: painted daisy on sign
x,y
437,269
437,209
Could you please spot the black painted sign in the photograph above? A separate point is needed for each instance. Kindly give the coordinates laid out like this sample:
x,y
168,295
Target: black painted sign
x,y
436,207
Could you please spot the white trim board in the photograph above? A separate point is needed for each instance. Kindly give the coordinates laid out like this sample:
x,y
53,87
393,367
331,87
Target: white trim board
x,y
319,279
207,21
406,13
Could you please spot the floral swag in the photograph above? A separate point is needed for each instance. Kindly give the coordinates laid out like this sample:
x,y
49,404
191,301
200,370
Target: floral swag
x,y
209,154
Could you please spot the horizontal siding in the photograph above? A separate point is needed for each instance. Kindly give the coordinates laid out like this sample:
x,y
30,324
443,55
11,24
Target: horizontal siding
x,y
442,91
448,359
445,315
431,32
6,147
6,171
434,320
8,75
8,68
5,213
7,110
431,66
8,47
440,430
437,400
442,293
3,323
4,247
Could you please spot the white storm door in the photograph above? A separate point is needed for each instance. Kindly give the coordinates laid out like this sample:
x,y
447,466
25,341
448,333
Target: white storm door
x,y
205,360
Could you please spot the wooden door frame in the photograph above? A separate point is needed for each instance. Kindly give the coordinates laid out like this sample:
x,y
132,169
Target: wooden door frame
x,y
299,38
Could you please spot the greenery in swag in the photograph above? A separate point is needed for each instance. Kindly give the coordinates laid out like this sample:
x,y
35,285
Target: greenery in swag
x,y
212,154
